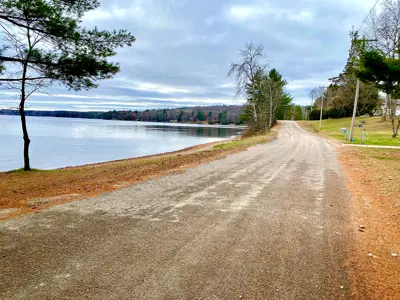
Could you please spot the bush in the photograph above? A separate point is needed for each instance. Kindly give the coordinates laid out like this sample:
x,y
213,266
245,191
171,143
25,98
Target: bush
x,y
332,113
315,114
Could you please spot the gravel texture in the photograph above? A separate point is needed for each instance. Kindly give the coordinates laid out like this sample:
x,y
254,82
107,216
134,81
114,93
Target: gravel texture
x,y
267,223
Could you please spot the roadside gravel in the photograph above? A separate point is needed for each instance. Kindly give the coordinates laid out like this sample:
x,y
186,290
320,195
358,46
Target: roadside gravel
x,y
267,223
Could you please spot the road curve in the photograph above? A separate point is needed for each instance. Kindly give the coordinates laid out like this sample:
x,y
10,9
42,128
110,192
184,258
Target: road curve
x,y
267,223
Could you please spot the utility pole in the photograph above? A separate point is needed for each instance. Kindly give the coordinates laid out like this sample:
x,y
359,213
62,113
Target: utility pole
x,y
322,107
312,104
320,117
354,110
353,119
292,112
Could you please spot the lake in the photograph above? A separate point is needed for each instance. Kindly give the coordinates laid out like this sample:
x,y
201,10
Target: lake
x,y
62,142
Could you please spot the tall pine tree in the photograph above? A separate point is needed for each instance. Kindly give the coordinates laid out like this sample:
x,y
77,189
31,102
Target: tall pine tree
x,y
44,42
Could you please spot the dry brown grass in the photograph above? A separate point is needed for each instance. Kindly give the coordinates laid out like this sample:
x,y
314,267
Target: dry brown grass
x,y
23,192
375,186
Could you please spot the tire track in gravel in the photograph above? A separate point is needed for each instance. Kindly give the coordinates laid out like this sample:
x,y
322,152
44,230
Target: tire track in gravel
x,y
267,223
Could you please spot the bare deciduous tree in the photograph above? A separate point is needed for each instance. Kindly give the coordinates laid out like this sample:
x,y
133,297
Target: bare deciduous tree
x,y
245,71
313,95
384,28
316,95
264,90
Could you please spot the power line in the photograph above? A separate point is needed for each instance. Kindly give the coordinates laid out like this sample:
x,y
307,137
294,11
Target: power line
x,y
353,119
363,22
367,16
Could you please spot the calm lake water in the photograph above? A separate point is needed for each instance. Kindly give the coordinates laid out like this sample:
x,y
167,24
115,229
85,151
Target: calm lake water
x,y
61,142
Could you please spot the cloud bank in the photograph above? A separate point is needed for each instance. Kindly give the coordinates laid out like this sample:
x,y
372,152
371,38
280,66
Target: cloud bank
x,y
184,49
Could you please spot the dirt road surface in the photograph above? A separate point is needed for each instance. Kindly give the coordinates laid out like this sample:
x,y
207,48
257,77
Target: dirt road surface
x,y
267,223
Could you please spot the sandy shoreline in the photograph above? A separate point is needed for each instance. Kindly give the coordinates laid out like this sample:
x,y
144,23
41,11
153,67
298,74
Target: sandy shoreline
x,y
27,192
187,150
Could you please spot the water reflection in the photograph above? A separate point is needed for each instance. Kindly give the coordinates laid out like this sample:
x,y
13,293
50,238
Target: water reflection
x,y
197,131
59,142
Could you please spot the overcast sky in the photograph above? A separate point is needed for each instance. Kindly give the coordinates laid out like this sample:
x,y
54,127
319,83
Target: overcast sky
x,y
184,49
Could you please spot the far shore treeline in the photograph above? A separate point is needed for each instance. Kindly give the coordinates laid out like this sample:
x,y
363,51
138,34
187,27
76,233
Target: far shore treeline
x,y
218,114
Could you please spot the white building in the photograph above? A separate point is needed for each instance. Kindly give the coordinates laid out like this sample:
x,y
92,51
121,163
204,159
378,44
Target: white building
x,y
397,110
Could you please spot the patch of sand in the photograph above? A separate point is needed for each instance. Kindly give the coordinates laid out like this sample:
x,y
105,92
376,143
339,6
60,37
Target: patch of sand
x,y
25,192
375,187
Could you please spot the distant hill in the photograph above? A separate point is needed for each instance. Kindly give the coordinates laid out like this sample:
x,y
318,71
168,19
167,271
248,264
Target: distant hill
x,y
218,114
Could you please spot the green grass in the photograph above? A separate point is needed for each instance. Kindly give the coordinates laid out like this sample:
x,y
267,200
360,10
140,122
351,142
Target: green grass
x,y
382,154
376,132
248,141
22,171
228,145
385,158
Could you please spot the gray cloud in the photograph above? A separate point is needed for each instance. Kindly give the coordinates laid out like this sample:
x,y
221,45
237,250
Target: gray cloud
x,y
184,49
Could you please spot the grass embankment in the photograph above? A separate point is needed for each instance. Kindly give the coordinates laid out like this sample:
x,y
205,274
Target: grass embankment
x,y
376,132
374,184
23,192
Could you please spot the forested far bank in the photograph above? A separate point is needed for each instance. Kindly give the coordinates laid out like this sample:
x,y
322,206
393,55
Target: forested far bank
x,y
225,115
232,114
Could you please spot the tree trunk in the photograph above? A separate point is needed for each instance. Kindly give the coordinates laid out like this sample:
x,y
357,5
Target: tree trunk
x,y
255,113
391,106
254,106
270,114
395,130
27,141
385,109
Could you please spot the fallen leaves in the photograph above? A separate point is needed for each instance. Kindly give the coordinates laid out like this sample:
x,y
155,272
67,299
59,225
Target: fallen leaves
x,y
375,199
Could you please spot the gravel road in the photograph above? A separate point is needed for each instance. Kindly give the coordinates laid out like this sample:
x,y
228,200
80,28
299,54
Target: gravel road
x,y
268,223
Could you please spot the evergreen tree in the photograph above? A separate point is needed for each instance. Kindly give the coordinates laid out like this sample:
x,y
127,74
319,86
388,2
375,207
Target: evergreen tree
x,y
46,43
